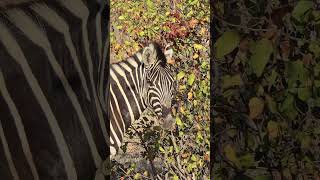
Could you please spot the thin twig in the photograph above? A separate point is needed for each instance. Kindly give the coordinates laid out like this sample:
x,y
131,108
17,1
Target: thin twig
x,y
238,25
125,172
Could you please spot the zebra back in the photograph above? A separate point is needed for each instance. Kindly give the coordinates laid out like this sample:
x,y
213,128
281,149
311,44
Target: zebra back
x,y
53,89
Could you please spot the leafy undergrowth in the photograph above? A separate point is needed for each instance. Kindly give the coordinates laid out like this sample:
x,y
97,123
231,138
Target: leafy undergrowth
x,y
267,96
184,152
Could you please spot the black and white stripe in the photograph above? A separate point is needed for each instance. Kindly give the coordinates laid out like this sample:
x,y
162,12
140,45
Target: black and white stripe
x,y
53,70
142,81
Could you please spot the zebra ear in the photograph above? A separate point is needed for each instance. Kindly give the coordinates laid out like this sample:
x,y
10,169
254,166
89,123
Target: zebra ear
x,y
148,55
168,53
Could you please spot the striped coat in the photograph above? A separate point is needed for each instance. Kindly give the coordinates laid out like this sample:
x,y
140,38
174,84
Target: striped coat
x,y
53,80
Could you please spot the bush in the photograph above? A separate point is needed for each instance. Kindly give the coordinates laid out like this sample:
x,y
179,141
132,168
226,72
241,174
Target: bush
x,y
185,151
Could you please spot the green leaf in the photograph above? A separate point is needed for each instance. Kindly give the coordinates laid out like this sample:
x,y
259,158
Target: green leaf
x,y
137,176
231,155
230,81
263,177
226,43
272,105
199,136
301,8
314,48
272,78
150,4
193,157
288,107
191,79
175,177
121,17
261,55
232,132
179,122
296,72
247,160
306,142
161,149
304,93
180,75
317,83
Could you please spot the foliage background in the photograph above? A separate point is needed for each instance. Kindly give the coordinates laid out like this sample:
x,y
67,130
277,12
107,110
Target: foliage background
x,y
184,152
266,89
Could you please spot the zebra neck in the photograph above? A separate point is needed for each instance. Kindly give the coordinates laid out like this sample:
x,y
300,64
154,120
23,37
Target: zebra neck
x,y
127,91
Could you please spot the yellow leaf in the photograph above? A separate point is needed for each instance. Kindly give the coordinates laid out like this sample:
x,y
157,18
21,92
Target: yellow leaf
x,y
256,106
195,56
198,46
190,95
175,177
117,46
203,31
182,109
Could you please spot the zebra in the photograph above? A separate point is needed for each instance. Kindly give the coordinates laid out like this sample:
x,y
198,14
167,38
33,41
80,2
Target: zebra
x,y
142,81
54,70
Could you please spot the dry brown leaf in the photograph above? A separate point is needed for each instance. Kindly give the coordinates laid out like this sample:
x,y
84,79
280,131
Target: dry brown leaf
x,y
218,120
171,61
193,22
271,33
244,45
185,155
285,49
307,59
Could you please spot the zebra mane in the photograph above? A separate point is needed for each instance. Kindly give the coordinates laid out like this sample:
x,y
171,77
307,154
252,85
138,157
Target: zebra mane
x,y
159,54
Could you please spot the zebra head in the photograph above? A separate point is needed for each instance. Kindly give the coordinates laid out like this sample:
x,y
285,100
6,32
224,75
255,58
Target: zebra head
x,y
159,86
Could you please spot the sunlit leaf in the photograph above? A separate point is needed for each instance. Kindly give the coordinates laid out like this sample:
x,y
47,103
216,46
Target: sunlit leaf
x,y
161,149
175,177
193,157
195,56
191,79
137,176
198,46
179,122
190,95
180,75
